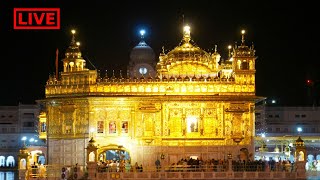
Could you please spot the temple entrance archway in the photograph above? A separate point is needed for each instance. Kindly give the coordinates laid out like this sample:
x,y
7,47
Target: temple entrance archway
x,y
114,153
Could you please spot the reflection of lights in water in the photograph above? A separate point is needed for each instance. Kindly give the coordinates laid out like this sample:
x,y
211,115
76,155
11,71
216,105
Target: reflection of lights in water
x,y
192,124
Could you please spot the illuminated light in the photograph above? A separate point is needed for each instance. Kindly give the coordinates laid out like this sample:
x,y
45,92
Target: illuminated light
x,y
299,129
142,32
31,140
92,130
267,140
243,31
229,47
273,101
78,43
73,31
263,135
35,140
186,29
24,138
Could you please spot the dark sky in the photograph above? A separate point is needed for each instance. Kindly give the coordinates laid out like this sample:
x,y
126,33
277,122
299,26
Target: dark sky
x,y
284,36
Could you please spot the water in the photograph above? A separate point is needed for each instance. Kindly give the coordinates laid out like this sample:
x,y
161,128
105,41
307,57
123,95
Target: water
x,y
8,175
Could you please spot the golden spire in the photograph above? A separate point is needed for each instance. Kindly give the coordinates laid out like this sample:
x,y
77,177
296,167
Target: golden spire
x,y
243,32
229,48
186,34
73,40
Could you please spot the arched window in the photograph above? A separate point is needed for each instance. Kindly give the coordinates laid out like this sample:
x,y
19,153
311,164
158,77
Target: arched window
x,y
2,161
244,65
23,164
10,161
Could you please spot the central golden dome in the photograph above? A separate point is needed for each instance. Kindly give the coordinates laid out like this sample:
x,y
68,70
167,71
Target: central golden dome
x,y
187,59
187,51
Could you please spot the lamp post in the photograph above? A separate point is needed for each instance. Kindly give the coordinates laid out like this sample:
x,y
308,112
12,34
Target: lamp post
x,y
299,129
24,138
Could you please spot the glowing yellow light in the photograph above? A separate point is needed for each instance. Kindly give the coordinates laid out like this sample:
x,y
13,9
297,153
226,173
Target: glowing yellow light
x,y
186,29
78,43
243,32
229,47
73,31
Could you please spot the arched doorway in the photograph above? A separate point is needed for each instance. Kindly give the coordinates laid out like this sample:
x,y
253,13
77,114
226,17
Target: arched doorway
x,y
10,161
41,159
23,164
113,153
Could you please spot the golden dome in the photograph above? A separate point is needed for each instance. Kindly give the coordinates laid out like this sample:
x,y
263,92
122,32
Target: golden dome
x,y
73,50
187,59
187,51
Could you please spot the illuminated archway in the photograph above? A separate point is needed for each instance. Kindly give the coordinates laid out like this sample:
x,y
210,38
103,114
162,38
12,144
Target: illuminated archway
x,y
301,156
192,124
10,161
35,155
113,152
23,164
41,159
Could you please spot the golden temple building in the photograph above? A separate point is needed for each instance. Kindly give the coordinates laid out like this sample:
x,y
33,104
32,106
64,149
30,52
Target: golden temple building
x,y
189,104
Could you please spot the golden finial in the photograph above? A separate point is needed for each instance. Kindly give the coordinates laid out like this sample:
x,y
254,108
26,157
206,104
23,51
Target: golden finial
x,y
229,48
215,48
243,32
163,49
73,40
186,33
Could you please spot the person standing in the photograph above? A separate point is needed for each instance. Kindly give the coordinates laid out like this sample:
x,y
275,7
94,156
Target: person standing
x,y
158,165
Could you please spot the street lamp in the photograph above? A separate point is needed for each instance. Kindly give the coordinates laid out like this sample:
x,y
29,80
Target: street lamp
x,y
24,138
299,129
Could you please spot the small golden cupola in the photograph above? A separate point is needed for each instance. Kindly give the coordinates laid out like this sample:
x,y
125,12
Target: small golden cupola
x,y
73,60
186,59
243,56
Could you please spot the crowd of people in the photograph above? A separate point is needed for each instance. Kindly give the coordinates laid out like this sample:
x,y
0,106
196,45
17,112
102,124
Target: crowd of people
x,y
211,165
119,166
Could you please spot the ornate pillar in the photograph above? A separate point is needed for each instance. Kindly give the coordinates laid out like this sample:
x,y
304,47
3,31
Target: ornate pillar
x,y
23,162
92,151
300,157
92,158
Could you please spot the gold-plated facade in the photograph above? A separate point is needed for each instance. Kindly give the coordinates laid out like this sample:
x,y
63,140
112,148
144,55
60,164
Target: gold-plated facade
x,y
195,106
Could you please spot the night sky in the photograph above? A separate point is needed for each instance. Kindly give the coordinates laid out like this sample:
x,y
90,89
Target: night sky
x,y
284,36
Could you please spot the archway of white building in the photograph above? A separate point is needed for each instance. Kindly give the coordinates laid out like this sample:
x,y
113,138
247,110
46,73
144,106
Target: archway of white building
x,y
10,161
113,153
2,161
